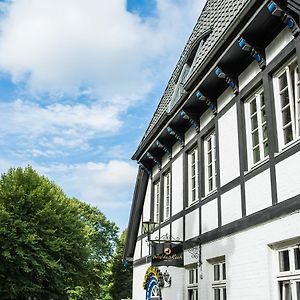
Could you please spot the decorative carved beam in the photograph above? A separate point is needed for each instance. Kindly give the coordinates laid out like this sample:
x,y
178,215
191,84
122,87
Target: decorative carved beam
x,y
177,136
208,102
150,156
253,52
230,82
166,149
287,19
192,121
146,169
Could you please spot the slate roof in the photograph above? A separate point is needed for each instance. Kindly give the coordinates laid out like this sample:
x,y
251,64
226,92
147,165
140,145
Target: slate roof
x,y
218,15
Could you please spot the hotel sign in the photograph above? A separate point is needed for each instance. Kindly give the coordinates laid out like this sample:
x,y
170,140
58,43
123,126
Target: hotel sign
x,y
167,254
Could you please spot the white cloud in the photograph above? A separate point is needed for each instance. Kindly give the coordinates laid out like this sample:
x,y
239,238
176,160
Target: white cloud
x,y
66,46
106,185
57,125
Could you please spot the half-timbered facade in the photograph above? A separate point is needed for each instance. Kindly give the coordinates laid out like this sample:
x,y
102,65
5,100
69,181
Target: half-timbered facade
x,y
218,186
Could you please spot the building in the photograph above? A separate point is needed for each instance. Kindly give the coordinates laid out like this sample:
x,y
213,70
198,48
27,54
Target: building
x,y
219,165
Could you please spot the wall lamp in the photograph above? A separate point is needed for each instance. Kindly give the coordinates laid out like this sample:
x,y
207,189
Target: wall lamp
x,y
148,228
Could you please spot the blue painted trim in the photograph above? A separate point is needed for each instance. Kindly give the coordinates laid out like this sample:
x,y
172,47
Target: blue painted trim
x,y
272,6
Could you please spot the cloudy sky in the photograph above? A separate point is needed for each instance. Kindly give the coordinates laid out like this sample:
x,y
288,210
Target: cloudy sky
x,y
79,81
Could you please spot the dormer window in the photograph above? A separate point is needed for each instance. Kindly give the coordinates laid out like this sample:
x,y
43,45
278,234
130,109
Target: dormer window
x,y
187,69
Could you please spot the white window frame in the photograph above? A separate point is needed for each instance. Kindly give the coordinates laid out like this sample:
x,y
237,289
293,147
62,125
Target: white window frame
x,y
290,278
157,196
291,71
192,283
210,139
193,176
256,98
218,284
167,195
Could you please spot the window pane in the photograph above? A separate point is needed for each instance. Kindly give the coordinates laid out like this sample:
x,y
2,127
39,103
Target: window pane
x,y
288,134
297,258
224,271
284,98
266,148
224,294
217,294
287,291
298,290
253,107
255,138
286,116
282,81
284,262
254,122
256,155
216,272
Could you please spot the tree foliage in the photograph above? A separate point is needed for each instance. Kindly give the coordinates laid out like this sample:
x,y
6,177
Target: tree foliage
x,y
51,247
121,276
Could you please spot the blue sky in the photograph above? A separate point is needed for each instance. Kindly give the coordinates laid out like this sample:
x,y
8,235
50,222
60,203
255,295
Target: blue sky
x,y
79,81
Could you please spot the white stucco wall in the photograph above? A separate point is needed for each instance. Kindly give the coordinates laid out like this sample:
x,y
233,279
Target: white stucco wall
x,y
177,185
231,208
258,192
209,216
228,145
192,224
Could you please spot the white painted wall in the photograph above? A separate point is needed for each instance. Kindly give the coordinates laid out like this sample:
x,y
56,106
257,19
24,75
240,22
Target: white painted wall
x,y
258,192
231,207
165,159
176,148
165,230
248,259
177,185
251,71
145,247
138,292
205,118
176,291
288,177
229,151
192,224
209,216
177,229
137,250
278,44
189,135
147,202
224,99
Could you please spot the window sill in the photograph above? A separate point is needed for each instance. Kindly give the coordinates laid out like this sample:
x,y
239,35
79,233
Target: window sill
x,y
209,195
192,204
257,165
288,146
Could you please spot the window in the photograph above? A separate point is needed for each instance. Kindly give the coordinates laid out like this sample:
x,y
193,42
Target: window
x,y
192,284
193,175
287,99
157,202
219,281
256,126
167,195
210,162
288,275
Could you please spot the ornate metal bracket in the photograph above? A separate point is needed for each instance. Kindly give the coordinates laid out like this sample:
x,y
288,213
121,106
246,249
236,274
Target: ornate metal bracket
x,y
230,82
166,149
176,135
193,122
253,52
167,238
195,252
209,103
275,10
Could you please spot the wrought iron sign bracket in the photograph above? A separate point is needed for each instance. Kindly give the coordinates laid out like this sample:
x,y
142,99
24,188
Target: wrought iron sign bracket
x,y
257,55
166,149
192,121
230,82
208,102
177,136
287,19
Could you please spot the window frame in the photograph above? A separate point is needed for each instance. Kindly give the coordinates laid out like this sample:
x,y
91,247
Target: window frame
x,y
292,86
193,175
211,136
156,201
262,122
167,195
192,287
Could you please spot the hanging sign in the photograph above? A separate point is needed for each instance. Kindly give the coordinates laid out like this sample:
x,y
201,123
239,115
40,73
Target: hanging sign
x,y
167,254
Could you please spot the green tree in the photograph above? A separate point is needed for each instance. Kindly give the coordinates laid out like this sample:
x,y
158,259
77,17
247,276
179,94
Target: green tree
x,y
50,245
121,276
